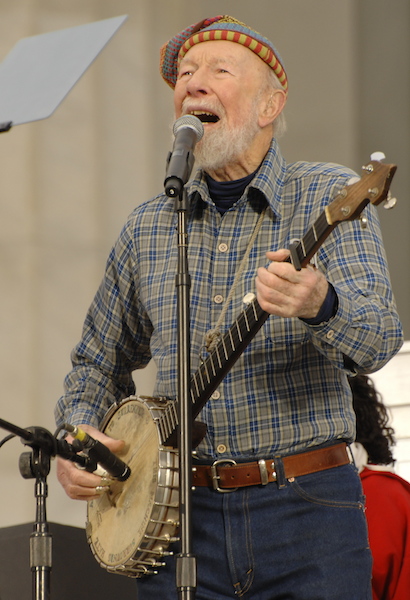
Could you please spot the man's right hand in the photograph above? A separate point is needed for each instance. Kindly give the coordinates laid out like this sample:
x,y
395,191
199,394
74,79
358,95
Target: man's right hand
x,y
78,483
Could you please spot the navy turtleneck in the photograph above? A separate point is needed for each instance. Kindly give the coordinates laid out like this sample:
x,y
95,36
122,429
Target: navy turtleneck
x,y
225,193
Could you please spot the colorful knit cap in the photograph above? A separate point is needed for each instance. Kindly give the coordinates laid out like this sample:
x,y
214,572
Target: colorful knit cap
x,y
222,27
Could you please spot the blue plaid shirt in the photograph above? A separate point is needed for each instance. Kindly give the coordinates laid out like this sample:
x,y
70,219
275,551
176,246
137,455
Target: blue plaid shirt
x,y
289,390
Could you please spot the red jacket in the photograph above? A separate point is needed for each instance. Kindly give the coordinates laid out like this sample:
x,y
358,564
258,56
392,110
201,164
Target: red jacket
x,y
388,518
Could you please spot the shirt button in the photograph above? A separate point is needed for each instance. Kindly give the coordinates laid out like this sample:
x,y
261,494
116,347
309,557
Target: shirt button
x,y
218,299
216,395
221,448
330,334
223,247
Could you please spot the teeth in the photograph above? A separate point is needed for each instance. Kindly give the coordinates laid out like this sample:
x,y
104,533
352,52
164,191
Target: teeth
x,y
202,112
205,116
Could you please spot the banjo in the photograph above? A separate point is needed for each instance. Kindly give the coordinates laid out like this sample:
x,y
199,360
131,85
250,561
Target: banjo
x,y
130,527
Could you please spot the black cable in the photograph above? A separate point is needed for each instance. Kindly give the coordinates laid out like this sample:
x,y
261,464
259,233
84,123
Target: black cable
x,y
6,439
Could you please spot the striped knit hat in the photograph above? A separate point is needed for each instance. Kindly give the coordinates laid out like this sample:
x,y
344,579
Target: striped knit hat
x,y
222,27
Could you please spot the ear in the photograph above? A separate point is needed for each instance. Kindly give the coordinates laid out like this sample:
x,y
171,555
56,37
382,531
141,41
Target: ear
x,y
271,106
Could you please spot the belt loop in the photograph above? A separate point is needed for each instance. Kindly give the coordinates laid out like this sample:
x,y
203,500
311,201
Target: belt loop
x,y
280,472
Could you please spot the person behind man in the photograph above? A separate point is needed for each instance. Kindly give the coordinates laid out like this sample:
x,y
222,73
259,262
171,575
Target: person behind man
x,y
387,494
299,531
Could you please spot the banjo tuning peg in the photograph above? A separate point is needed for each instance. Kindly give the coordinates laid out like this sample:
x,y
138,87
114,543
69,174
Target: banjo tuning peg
x,y
390,202
377,156
363,222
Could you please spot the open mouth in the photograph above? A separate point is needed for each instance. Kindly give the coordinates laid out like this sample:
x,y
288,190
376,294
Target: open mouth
x,y
205,117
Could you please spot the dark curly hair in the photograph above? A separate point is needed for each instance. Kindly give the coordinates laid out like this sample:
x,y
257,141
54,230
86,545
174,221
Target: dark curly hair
x,y
372,429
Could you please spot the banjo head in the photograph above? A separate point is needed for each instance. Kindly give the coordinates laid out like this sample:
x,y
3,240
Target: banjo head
x,y
130,526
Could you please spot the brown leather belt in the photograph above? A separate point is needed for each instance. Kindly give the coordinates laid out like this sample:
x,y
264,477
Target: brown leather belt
x,y
227,475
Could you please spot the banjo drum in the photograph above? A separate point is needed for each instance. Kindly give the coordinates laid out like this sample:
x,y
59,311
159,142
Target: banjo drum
x,y
130,527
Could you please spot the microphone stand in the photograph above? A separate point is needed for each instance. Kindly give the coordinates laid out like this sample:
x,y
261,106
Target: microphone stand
x,y
187,130
185,561
36,464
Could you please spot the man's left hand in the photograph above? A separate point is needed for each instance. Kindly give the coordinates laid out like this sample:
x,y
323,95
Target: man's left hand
x,y
286,292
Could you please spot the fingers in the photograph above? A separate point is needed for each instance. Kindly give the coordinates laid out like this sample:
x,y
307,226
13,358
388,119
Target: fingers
x,y
281,267
278,255
277,284
286,292
275,293
78,483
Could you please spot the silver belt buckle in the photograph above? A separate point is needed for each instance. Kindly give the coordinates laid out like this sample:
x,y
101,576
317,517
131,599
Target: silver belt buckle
x,y
216,477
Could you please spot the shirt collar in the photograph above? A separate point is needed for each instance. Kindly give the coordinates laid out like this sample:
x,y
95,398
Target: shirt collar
x,y
269,179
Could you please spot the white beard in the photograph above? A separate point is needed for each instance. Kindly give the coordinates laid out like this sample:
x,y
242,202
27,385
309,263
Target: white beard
x,y
224,146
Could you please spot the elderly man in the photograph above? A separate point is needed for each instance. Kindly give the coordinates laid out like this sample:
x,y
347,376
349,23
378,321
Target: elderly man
x,y
287,520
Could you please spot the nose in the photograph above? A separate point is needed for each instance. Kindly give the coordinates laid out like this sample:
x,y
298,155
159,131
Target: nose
x,y
197,84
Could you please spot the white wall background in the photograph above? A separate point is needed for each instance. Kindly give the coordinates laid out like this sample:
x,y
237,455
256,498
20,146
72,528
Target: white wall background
x,y
68,183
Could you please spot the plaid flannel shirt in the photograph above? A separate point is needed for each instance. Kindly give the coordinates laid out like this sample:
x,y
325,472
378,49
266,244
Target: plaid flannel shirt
x,y
289,389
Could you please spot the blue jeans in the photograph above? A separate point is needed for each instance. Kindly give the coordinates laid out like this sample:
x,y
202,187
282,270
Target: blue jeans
x,y
290,540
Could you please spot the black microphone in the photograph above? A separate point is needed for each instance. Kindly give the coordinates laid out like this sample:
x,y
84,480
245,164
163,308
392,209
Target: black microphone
x,y
99,453
188,130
